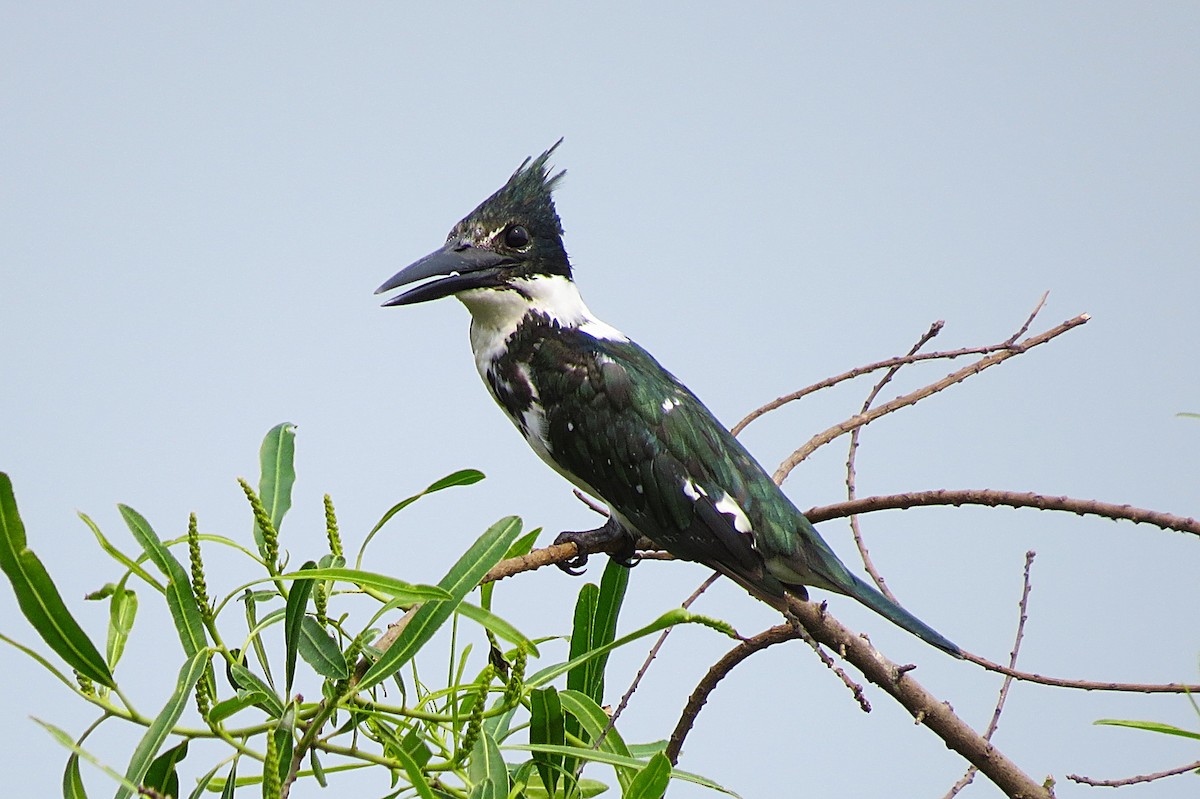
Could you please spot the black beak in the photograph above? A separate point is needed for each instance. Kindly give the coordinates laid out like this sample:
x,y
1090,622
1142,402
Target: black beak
x,y
465,267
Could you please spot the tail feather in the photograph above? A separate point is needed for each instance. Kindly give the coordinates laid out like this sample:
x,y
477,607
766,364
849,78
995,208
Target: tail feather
x,y
868,595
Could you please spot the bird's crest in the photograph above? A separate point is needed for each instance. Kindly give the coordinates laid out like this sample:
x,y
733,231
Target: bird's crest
x,y
526,196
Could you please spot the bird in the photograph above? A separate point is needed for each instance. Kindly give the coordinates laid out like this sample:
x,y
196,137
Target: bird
x,y
602,412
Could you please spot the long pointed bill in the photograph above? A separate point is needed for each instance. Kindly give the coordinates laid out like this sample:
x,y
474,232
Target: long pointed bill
x,y
464,267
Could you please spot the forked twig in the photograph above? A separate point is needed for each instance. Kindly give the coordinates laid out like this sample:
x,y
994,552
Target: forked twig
x,y
951,379
1008,678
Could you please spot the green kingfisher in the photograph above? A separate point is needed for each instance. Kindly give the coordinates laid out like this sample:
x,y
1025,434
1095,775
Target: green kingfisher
x,y
604,414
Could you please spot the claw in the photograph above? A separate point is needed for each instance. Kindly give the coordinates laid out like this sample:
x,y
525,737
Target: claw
x,y
598,540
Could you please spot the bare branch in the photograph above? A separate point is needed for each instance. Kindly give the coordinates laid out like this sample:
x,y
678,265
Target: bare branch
x,y
951,379
851,491
1014,499
775,635
1023,616
1158,775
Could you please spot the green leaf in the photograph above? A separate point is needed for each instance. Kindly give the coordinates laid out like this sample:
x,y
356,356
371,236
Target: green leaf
x,y
161,727
668,619
122,610
285,741
121,557
69,742
230,782
651,782
546,726
163,774
592,719
415,776
463,477
320,651
406,593
499,626
604,625
1152,726
293,620
182,603
234,704
39,600
263,694
278,473
72,781
487,766
600,756
459,581
250,599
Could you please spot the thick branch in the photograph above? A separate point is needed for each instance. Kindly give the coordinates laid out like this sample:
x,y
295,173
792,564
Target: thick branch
x,y
924,706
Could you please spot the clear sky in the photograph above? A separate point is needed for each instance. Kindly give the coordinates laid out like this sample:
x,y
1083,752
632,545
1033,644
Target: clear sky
x,y
197,201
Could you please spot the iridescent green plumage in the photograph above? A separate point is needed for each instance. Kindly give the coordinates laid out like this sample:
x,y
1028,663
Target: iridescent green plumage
x,y
605,414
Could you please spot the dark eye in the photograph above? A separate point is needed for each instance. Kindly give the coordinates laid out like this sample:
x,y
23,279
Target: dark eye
x,y
516,237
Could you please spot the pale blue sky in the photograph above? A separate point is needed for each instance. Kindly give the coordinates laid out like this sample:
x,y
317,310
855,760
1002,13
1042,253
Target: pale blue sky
x,y
196,202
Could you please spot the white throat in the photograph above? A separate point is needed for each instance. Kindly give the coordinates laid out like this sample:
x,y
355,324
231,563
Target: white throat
x,y
496,313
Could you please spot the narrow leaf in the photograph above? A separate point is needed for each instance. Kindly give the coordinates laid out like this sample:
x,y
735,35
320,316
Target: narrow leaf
x,y
230,782
293,620
487,765
546,727
38,598
499,626
250,599
250,682
594,721
122,611
1152,726
276,460
72,781
406,593
600,756
668,619
462,477
119,556
459,581
61,736
415,776
180,600
163,774
651,782
320,651
161,727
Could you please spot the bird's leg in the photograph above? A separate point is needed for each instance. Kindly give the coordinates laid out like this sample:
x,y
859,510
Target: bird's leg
x,y
612,538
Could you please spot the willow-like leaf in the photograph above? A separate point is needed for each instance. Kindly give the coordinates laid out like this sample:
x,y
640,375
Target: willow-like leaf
x,y
39,599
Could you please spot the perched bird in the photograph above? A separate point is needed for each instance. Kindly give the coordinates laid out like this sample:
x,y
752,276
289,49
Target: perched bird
x,y
604,414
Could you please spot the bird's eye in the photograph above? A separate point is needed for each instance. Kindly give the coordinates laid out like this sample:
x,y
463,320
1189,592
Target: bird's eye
x,y
516,237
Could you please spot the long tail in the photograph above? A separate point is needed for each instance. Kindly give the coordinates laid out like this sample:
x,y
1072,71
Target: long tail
x,y
866,593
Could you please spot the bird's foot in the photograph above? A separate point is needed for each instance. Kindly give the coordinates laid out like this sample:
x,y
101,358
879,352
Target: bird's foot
x,y
611,538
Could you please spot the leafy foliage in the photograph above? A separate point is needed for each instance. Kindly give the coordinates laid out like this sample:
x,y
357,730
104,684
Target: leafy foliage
x,y
489,732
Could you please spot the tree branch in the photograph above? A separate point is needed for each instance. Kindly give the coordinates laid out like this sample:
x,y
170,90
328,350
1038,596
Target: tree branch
x,y
951,379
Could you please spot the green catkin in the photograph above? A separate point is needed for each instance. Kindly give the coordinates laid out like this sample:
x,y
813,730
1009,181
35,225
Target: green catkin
x,y
331,529
475,722
516,680
271,786
199,586
269,533
85,684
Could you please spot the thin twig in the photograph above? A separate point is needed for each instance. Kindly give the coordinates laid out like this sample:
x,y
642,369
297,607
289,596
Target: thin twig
x,y
951,379
658,644
886,364
851,491
1158,775
1023,616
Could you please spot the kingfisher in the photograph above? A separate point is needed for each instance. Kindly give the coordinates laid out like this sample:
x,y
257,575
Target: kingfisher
x,y
604,414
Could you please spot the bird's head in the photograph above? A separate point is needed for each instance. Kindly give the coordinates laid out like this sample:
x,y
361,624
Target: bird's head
x,y
512,236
